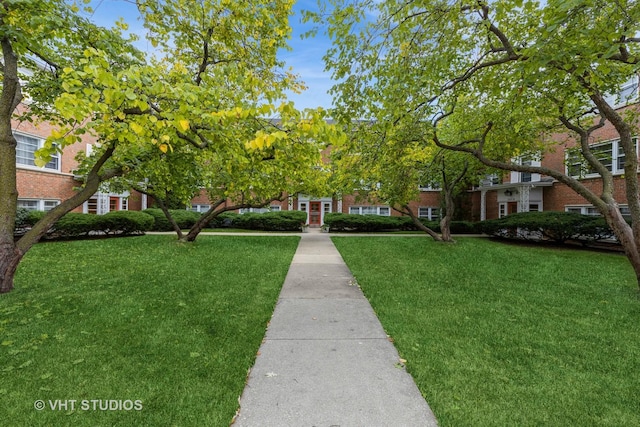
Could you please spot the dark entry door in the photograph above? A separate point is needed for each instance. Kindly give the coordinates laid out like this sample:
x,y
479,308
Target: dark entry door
x,y
512,207
314,213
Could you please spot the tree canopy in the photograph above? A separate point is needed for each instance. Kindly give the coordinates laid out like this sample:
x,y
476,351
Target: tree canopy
x,y
506,73
201,101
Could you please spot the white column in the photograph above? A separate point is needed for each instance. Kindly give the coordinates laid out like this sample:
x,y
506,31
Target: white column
x,y
524,199
103,203
483,205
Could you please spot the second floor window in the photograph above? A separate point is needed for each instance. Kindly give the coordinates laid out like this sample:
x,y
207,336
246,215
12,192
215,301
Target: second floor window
x,y
26,149
609,153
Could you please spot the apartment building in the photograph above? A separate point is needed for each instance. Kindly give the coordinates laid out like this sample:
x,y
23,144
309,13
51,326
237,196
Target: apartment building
x,y
498,196
43,188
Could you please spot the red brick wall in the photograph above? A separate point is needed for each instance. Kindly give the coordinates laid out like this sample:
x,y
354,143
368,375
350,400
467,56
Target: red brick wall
x,y
34,183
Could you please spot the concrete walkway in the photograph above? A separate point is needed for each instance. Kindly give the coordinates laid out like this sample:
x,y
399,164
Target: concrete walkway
x,y
325,360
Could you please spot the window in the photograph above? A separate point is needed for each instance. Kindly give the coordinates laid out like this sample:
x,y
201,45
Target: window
x,y
200,208
627,94
37,205
584,210
92,205
430,186
261,210
526,176
610,154
489,180
26,149
429,212
370,210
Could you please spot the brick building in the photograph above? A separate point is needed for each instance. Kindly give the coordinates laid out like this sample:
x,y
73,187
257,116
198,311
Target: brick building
x,y
43,188
523,192
496,196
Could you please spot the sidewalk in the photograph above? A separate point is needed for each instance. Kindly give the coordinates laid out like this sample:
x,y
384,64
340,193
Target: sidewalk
x,y
325,360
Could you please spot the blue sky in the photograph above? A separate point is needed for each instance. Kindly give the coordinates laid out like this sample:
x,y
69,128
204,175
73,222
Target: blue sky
x,y
305,58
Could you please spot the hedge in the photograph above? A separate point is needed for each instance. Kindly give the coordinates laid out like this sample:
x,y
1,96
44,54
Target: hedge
x,y
557,227
74,225
375,223
125,222
269,221
184,218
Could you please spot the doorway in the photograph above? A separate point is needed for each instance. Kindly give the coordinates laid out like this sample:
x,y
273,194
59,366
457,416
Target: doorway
x,y
512,207
314,213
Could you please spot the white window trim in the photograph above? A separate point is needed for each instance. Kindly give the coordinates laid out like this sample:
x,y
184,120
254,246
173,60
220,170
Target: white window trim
x,y
40,145
377,209
272,208
584,209
615,149
199,208
433,213
516,177
40,202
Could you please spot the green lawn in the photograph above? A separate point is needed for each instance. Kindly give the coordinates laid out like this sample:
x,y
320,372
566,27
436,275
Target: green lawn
x,y
497,334
174,326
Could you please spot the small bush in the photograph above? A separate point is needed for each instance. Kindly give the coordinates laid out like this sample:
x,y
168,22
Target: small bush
x,y
223,220
33,217
160,221
125,222
22,221
184,218
75,224
557,227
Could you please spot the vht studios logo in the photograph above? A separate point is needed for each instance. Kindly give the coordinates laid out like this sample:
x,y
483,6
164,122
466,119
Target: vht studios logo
x,y
88,405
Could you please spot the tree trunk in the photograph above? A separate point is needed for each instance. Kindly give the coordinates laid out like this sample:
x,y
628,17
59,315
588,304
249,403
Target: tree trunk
x,y
10,257
170,218
449,210
445,228
626,237
420,225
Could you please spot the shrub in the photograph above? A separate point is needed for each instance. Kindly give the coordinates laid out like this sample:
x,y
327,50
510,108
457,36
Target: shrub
x,y
184,218
558,227
223,220
33,217
375,223
271,221
75,224
125,222
22,220
160,221
366,223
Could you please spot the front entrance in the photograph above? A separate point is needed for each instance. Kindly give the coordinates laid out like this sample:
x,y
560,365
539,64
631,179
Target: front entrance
x,y
512,207
314,213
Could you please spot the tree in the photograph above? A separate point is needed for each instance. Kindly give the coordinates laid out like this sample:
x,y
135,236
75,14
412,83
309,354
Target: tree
x,y
207,108
511,72
43,36
289,162
214,75
388,163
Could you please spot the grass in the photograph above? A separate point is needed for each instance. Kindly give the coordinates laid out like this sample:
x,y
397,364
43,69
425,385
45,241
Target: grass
x,y
497,334
174,326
